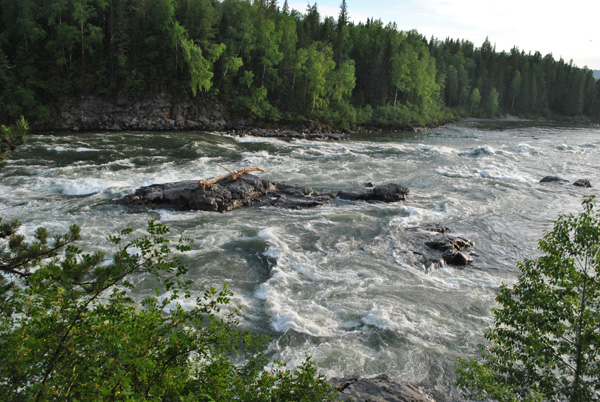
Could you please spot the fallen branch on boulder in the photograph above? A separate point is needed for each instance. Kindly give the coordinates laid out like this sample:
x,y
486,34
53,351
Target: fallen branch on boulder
x,y
236,174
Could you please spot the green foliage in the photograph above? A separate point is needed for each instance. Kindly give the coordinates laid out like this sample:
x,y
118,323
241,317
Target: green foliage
x,y
474,101
544,344
11,138
71,331
491,107
318,68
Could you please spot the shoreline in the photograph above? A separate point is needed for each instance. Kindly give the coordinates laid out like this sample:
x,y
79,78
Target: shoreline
x,y
163,112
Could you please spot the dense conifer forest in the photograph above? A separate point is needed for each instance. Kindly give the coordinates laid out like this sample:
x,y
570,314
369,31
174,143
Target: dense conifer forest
x,y
263,60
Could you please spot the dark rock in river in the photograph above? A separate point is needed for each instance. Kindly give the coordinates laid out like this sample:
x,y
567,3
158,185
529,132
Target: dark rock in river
x,y
552,179
248,189
585,183
377,389
190,195
430,247
386,193
454,249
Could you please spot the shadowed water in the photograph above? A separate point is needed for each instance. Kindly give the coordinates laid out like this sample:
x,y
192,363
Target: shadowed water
x,y
340,283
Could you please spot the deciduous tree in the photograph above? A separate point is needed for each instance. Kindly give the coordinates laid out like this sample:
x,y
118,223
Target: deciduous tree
x,y
545,341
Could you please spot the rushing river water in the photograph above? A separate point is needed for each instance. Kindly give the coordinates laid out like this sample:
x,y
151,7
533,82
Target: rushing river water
x,y
338,282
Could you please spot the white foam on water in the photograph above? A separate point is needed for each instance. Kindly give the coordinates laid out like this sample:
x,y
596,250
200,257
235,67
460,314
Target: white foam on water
x,y
121,162
479,151
90,186
503,174
434,148
491,172
283,294
413,216
521,149
248,139
463,174
380,318
563,147
262,157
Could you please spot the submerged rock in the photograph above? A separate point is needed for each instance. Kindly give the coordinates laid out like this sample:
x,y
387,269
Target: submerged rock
x,y
377,389
228,194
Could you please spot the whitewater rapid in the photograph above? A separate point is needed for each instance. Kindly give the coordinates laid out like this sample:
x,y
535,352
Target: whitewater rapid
x,y
340,283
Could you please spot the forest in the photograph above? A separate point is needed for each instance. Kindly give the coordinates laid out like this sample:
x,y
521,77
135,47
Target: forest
x,y
260,59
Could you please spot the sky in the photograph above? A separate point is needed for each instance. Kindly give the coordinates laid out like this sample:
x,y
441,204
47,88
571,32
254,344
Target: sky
x,y
569,28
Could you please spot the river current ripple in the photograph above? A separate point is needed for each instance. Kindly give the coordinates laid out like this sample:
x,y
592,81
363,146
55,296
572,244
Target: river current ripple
x,y
337,282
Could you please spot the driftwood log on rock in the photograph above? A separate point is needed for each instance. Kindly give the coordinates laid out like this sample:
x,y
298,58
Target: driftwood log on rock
x,y
240,188
231,175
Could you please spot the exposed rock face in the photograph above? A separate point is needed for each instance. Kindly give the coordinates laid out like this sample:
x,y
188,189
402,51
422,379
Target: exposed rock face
x,y
386,193
164,112
228,194
161,112
377,389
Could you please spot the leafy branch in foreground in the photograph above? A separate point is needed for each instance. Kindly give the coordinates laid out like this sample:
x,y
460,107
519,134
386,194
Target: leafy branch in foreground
x,y
545,341
12,137
69,329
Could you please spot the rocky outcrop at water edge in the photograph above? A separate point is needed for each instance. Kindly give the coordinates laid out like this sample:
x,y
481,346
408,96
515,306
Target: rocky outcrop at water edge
x,y
377,389
164,112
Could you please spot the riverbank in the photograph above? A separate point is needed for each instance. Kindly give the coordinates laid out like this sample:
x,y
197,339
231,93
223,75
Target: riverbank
x,y
164,112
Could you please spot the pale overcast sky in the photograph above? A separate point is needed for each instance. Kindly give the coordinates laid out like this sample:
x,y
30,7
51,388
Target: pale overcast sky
x,y
568,29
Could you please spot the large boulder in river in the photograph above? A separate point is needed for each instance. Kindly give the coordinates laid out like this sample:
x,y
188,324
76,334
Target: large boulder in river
x,y
226,194
377,389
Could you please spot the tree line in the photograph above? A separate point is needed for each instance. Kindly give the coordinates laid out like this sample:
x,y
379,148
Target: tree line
x,y
261,59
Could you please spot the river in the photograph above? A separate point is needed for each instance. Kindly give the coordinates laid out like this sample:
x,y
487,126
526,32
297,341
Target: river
x,y
338,282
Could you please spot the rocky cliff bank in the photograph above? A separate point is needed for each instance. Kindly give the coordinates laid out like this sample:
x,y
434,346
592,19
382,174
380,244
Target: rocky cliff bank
x,y
165,113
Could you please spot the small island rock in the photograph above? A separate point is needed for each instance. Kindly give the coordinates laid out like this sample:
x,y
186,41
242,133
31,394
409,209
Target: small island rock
x,y
228,194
